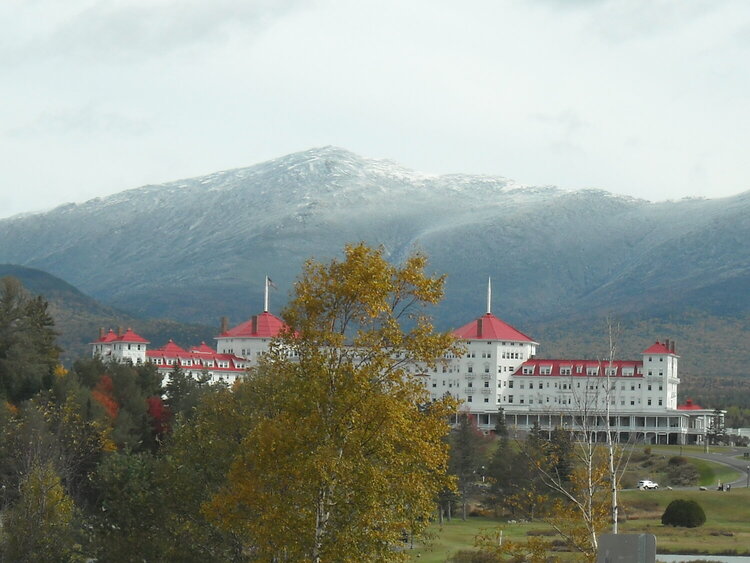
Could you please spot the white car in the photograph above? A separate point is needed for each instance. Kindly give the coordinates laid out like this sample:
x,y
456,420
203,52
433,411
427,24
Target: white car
x,y
646,484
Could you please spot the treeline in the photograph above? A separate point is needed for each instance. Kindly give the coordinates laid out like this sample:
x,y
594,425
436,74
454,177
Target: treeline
x,y
324,452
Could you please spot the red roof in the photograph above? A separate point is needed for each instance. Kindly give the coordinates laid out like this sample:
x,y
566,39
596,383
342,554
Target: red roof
x,y
129,336
264,325
202,349
689,406
578,368
489,327
169,349
199,358
658,348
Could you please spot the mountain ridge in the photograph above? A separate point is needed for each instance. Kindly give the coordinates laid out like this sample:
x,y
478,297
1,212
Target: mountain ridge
x,y
195,249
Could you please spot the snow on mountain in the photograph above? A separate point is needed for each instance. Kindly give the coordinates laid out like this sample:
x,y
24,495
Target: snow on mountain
x,y
198,248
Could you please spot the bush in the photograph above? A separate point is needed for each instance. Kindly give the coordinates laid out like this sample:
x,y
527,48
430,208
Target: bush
x,y
683,513
682,474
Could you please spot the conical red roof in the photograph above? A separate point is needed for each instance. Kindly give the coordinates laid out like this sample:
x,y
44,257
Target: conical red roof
x,y
170,349
489,327
202,349
264,325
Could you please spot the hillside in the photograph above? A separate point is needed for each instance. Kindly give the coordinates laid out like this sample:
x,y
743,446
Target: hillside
x,y
78,317
561,261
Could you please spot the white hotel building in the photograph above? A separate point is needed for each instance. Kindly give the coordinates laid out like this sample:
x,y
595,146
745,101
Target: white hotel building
x,y
498,375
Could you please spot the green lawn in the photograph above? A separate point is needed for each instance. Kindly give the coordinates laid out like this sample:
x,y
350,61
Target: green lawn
x,y
457,535
712,473
727,528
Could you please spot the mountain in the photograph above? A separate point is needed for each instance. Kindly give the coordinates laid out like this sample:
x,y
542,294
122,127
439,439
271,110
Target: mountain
x,y
78,317
197,249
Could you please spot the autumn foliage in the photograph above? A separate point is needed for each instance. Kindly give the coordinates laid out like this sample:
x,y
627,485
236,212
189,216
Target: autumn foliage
x,y
103,394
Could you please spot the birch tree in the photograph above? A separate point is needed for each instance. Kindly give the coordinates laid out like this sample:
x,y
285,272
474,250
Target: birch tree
x,y
350,453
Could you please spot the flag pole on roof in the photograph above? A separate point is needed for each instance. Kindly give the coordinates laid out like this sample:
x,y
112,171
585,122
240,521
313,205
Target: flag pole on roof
x,y
269,283
489,295
265,296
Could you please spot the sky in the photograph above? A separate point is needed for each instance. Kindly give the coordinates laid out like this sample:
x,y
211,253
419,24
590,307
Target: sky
x,y
649,98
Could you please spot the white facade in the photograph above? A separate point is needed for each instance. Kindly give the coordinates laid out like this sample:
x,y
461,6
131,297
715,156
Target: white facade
x,y
115,347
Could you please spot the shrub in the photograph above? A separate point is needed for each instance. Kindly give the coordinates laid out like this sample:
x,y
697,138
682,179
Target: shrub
x,y
682,474
683,513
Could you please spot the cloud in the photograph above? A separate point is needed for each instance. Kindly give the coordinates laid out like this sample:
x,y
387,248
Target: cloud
x,y
88,120
131,30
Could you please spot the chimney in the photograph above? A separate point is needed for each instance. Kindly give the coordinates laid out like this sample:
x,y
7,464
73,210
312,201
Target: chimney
x,y
255,324
673,348
666,343
120,331
479,327
101,332
223,325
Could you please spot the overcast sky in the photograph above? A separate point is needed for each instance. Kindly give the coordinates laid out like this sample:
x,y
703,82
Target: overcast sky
x,y
643,97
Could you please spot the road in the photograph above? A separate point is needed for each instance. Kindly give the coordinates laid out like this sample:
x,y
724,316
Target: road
x,y
726,457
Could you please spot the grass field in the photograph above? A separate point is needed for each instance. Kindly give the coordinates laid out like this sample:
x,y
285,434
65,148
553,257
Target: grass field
x,y
727,528
713,473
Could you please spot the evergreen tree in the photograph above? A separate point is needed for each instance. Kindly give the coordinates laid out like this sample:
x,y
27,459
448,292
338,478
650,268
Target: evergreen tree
x,y
28,354
466,457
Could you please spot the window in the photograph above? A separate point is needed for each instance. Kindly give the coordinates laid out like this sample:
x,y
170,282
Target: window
x,y
649,404
510,384
471,369
486,383
660,402
545,370
471,384
510,398
469,399
649,387
486,399
566,370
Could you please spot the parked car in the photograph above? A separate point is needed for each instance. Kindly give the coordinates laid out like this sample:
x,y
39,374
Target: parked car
x,y
646,484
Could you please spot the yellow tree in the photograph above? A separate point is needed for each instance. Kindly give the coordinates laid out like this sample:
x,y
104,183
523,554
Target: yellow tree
x,y
349,455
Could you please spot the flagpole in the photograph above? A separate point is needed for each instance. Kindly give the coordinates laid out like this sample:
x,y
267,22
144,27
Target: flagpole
x,y
489,295
265,297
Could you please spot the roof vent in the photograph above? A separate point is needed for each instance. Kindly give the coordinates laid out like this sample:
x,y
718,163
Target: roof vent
x,y
255,324
479,328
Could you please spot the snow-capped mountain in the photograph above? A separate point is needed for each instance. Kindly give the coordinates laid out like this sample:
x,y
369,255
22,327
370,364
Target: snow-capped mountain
x,y
199,248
